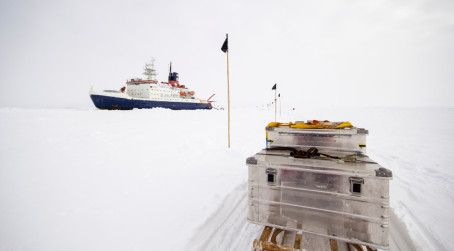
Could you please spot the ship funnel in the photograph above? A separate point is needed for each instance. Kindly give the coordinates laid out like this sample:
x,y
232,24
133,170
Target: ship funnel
x,y
173,76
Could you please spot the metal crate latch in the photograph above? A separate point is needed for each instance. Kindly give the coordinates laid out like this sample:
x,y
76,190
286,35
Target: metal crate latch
x,y
355,184
271,175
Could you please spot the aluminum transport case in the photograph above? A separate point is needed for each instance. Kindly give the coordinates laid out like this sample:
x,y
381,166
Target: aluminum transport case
x,y
342,200
345,139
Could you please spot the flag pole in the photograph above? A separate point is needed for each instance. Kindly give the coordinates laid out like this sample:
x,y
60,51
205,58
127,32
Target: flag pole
x,y
275,104
280,107
225,49
228,93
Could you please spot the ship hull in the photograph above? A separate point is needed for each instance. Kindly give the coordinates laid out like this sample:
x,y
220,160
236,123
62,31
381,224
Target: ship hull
x,y
115,103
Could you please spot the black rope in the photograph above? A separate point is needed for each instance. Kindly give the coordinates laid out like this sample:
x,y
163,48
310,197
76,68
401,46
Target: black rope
x,y
311,152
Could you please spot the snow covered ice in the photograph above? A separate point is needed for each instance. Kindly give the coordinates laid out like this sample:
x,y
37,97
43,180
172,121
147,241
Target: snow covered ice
x,y
165,180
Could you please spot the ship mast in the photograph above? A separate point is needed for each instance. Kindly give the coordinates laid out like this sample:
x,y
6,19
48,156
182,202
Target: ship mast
x,y
150,71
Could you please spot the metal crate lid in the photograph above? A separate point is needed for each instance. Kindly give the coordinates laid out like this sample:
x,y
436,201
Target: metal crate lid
x,y
352,165
344,131
324,127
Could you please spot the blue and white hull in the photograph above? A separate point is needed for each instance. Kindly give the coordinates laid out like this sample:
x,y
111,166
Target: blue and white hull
x,y
108,102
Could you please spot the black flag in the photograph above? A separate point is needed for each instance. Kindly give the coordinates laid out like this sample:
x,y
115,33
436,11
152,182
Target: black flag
x,y
279,95
274,87
225,45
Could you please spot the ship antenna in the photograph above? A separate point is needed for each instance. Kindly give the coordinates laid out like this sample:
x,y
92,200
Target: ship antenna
x,y
153,60
150,71
170,71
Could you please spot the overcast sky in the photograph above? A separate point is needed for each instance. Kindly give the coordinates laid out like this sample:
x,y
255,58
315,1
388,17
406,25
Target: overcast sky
x,y
365,53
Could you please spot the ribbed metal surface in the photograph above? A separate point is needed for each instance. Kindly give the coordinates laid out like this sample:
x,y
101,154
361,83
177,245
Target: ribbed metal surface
x,y
347,139
328,197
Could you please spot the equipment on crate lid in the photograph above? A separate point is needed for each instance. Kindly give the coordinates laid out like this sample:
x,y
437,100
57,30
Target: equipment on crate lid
x,y
313,124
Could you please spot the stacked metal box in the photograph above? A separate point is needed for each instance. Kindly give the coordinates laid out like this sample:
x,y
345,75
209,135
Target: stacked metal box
x,y
339,192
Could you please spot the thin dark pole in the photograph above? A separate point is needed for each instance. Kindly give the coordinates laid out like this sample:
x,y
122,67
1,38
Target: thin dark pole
x,y
275,104
228,94
280,107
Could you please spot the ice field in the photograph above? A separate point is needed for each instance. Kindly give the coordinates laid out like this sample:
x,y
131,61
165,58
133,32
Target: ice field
x,y
86,179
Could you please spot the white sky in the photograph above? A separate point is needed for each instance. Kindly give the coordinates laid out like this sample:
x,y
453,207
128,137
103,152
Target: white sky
x,y
366,53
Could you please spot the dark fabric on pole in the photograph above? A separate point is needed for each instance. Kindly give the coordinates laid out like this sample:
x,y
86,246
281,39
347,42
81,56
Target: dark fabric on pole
x,y
279,95
274,87
225,45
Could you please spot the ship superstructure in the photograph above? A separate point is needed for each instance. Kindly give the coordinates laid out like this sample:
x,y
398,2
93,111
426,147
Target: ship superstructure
x,y
150,93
